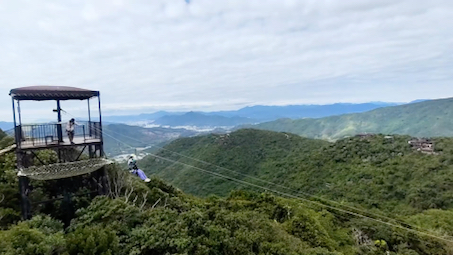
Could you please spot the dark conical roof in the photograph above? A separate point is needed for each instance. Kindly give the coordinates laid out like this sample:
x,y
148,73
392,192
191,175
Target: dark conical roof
x,y
39,93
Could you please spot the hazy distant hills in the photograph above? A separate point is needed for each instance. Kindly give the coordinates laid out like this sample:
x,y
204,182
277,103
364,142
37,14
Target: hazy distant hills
x,y
266,113
202,120
6,125
426,118
137,118
247,115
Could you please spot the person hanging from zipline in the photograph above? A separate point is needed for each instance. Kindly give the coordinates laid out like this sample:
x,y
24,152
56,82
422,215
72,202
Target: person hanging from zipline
x,y
132,164
70,130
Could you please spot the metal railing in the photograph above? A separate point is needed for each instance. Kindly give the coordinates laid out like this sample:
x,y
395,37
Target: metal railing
x,y
55,134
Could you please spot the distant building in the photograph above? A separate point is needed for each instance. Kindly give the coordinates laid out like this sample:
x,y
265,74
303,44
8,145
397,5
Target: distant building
x,y
422,144
365,135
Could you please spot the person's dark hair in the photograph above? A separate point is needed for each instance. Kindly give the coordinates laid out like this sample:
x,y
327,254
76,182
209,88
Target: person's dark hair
x,y
72,120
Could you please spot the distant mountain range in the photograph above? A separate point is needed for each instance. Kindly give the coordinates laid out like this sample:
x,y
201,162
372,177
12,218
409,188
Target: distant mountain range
x,y
427,118
202,120
247,115
138,118
6,125
421,118
266,113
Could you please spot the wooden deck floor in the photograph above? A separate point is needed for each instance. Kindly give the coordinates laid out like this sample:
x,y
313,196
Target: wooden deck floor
x,y
77,141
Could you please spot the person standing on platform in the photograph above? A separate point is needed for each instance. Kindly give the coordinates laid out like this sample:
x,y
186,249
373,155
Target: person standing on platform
x,y
70,130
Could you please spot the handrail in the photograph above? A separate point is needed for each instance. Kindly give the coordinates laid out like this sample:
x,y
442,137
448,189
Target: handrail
x,y
48,134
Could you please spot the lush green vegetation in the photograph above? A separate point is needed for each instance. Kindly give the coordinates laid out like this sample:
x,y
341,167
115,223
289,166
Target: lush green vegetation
x,y
375,172
157,218
375,175
169,222
428,118
250,152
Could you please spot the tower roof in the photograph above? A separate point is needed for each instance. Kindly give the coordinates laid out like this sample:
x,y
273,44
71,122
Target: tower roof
x,y
39,93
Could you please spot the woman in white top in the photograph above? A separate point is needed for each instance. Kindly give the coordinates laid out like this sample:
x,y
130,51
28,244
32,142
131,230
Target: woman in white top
x,y
70,130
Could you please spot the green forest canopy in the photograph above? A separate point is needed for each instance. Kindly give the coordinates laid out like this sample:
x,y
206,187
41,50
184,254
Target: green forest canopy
x,y
374,172
164,220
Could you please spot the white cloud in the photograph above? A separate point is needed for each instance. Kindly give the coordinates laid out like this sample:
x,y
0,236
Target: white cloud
x,y
167,54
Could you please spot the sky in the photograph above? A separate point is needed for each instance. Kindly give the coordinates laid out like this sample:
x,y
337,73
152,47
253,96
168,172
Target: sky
x,y
205,55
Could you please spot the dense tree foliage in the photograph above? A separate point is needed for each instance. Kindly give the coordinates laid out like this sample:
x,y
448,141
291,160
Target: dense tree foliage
x,y
157,218
376,175
376,172
250,152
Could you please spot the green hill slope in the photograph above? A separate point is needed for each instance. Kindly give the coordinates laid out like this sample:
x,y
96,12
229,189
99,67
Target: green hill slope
x,y
428,118
379,173
157,218
248,151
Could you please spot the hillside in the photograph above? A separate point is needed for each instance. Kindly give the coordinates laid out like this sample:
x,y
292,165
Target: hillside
x,y
157,218
248,151
423,119
375,173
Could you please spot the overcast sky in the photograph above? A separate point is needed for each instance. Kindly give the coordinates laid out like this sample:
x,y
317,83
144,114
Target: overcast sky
x,y
212,54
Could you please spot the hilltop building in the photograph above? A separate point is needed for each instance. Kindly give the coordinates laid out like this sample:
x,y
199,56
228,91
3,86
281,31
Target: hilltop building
x,y
423,145
365,135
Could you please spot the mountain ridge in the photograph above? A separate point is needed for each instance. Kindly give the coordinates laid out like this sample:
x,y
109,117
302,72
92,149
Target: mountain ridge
x,y
6,125
426,118
262,113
